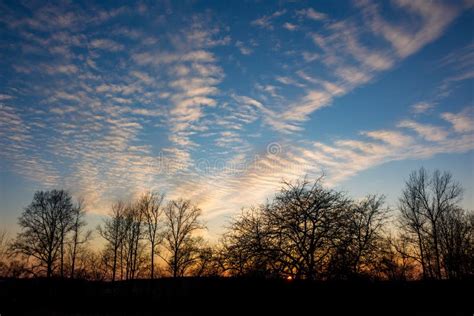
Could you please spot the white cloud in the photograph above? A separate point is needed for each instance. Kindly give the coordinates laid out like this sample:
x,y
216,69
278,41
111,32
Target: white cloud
x,y
462,122
266,20
290,26
158,58
106,44
427,131
244,50
312,14
407,38
309,57
421,107
4,97
393,138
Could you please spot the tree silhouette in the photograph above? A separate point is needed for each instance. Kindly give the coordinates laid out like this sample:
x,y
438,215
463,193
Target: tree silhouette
x,y
181,224
360,238
45,223
150,204
440,230
306,231
79,237
114,231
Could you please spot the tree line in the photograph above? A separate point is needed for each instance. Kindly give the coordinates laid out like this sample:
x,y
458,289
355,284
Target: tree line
x,y
306,231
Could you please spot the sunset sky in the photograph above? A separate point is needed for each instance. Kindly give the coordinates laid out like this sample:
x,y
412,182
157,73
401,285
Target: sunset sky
x,y
218,101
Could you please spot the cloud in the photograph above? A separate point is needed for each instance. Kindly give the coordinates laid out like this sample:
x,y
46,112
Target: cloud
x,y
4,97
462,122
344,55
288,81
144,77
290,26
244,50
393,138
311,14
427,131
162,102
407,38
106,44
61,69
421,107
158,58
309,57
266,20
220,192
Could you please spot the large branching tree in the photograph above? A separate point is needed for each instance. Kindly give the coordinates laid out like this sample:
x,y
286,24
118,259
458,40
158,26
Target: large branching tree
x,y
44,226
114,231
182,222
439,229
151,206
79,236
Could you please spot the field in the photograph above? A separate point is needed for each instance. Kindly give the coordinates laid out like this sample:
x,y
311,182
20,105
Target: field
x,y
224,296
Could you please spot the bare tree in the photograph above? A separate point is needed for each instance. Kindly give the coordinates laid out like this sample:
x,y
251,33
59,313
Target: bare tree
x,y
150,204
426,200
45,223
207,263
114,231
394,261
456,230
79,236
132,241
363,233
305,220
245,248
181,224
413,222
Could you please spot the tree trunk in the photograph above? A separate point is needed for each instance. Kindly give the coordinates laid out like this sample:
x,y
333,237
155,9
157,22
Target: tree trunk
x,y
152,261
435,242
175,265
62,255
422,256
73,259
114,267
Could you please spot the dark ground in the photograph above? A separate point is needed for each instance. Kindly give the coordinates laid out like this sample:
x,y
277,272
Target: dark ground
x,y
230,296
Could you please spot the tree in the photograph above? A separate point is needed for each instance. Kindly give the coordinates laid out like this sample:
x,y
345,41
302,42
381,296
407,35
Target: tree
x,y
430,214
358,243
132,245
394,262
79,237
114,231
305,220
457,243
44,224
150,204
181,224
245,248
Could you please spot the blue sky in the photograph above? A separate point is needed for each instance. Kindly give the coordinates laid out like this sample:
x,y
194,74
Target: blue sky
x,y
218,102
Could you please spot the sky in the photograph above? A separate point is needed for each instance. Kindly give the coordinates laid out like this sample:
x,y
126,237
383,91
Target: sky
x,y
219,101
